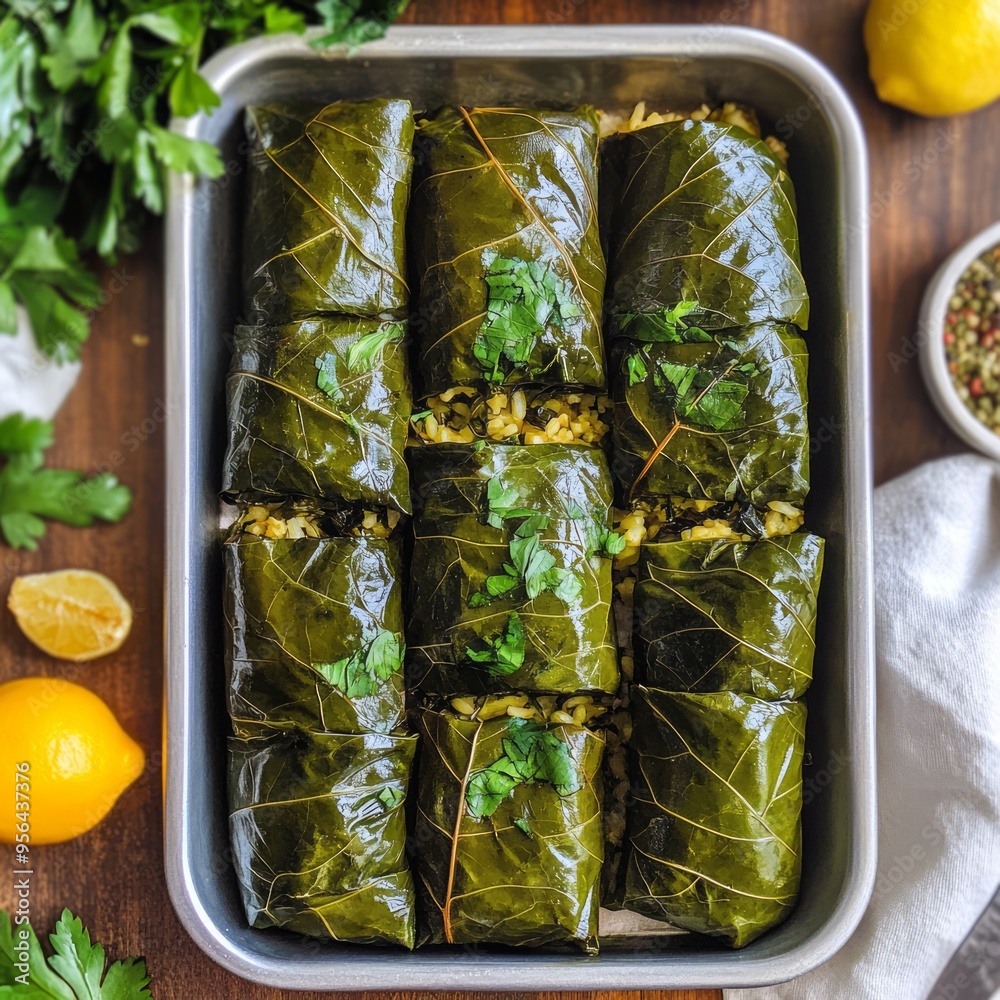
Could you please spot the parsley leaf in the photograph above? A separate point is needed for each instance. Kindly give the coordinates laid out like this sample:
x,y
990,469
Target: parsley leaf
x,y
532,754
608,543
366,352
524,298
326,377
505,653
531,564
76,970
364,672
667,325
701,396
390,797
637,370
29,492
354,22
362,356
501,502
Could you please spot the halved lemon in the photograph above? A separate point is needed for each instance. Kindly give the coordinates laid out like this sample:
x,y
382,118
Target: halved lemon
x,y
74,614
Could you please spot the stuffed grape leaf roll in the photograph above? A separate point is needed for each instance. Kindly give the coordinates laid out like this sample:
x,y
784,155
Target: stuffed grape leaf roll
x,y
715,823
509,828
314,630
704,228
506,248
728,616
718,417
320,408
510,579
318,833
325,225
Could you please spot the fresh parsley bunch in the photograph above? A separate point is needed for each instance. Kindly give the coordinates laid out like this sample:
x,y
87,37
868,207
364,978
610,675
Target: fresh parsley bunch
x,y
87,88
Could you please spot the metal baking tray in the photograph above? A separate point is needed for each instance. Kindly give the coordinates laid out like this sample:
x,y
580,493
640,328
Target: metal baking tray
x,y
611,67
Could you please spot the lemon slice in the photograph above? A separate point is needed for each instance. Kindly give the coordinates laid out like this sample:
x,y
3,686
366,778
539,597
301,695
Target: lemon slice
x,y
74,614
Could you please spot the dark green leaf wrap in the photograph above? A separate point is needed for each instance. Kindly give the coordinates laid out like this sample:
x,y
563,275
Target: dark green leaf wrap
x,y
706,214
318,833
526,874
520,185
320,408
728,616
295,609
566,642
715,825
327,205
732,411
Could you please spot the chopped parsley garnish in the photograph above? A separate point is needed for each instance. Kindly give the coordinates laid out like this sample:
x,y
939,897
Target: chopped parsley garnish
x,y
504,654
532,754
364,672
666,326
701,397
524,298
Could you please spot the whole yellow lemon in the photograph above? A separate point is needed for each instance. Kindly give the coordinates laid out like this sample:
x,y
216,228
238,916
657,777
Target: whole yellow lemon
x,y
934,57
69,758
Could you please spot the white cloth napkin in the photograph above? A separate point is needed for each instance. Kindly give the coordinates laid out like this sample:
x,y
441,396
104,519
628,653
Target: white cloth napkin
x,y
937,620
30,382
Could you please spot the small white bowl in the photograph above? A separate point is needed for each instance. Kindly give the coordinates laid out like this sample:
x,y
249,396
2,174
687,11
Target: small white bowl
x,y
934,363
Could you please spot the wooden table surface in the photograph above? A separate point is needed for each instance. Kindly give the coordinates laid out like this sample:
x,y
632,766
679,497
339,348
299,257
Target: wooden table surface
x,y
933,185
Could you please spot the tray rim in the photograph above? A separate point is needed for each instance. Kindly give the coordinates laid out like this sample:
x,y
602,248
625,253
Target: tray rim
x,y
530,972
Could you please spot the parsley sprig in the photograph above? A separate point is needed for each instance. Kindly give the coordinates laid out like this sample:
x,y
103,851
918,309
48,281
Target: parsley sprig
x,y
532,754
29,492
76,971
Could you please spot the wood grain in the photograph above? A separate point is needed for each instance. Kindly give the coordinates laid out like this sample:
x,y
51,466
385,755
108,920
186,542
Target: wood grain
x,y
932,187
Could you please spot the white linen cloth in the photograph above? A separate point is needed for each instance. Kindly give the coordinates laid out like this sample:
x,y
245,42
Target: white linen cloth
x,y
937,620
30,382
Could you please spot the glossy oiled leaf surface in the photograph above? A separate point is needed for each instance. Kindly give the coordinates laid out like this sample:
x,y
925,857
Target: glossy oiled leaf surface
x,y
320,408
318,833
527,873
296,608
732,411
561,638
728,616
706,213
502,196
326,212
715,827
